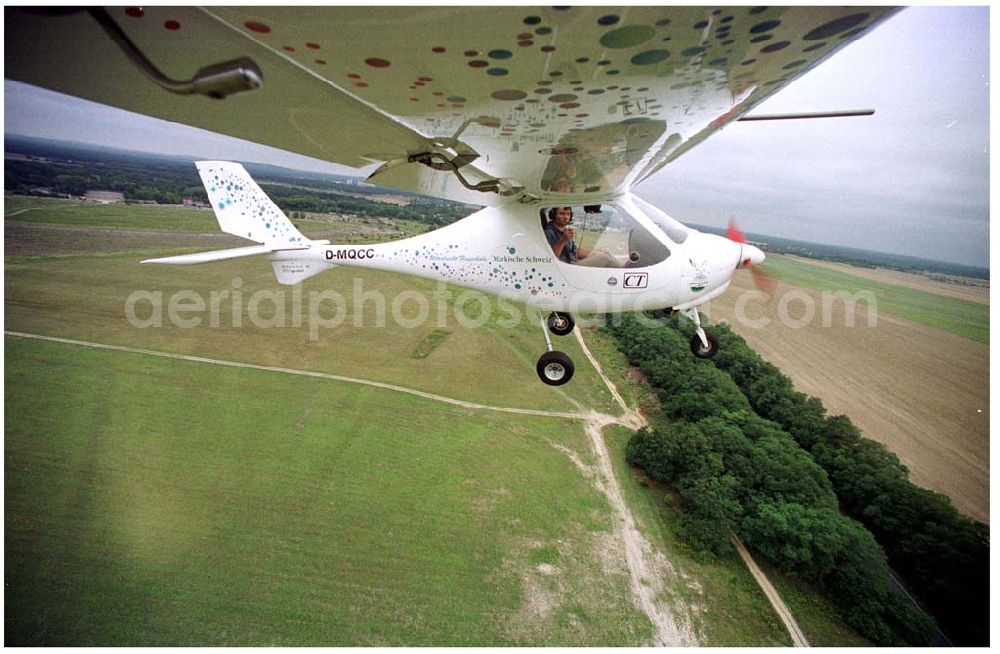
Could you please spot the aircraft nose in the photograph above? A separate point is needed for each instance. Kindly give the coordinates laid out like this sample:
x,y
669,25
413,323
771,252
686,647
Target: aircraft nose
x,y
751,256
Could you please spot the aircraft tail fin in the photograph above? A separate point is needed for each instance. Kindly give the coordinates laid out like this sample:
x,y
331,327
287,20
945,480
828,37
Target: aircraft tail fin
x,y
243,209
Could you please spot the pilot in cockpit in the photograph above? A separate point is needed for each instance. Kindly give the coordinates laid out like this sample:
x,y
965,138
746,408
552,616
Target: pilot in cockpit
x,y
560,234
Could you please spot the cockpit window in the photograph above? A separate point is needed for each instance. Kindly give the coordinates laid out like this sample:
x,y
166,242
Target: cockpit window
x,y
600,236
675,231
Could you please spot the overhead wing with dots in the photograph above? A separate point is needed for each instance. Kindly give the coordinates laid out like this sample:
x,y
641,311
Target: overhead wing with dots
x,y
557,101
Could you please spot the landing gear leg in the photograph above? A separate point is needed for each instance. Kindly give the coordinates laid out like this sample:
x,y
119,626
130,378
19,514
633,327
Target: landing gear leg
x,y
554,368
703,345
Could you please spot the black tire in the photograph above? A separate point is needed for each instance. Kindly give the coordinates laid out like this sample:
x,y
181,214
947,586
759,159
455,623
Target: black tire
x,y
554,368
561,323
699,350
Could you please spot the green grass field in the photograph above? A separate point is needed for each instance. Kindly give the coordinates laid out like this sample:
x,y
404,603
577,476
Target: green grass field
x,y
962,317
153,501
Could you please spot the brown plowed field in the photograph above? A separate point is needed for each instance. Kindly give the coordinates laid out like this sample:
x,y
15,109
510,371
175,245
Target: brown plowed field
x,y
922,391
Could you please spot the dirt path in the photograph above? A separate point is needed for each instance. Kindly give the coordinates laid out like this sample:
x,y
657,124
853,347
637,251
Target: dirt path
x,y
798,638
634,539
646,569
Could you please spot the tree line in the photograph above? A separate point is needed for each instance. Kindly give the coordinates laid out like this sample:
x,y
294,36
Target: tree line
x,y
750,455
168,181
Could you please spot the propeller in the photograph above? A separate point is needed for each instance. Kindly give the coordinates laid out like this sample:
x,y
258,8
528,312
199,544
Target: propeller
x,y
750,255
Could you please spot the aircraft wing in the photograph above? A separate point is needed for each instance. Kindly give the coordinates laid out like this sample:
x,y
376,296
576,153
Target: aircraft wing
x,y
553,101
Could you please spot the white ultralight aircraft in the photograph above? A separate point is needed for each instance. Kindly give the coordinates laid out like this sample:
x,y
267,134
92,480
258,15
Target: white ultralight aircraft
x,y
521,110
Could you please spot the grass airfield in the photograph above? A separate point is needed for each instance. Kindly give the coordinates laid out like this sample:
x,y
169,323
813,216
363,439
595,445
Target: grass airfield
x,y
198,505
153,501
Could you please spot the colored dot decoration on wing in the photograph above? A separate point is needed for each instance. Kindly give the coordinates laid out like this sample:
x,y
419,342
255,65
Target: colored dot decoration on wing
x,y
532,20
693,52
835,27
135,12
766,26
471,53
353,76
548,48
321,62
456,98
562,97
794,64
757,10
312,46
542,31
439,49
815,46
254,26
610,19
288,48
172,25
525,44
543,91
500,54
627,37
497,72
762,38
774,47
508,95
479,63
650,57
700,25
375,62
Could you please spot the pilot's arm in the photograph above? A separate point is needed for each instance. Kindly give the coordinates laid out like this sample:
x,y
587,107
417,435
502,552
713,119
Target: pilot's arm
x,y
558,240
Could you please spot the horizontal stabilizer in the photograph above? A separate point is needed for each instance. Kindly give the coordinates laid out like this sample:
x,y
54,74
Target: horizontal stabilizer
x,y
214,255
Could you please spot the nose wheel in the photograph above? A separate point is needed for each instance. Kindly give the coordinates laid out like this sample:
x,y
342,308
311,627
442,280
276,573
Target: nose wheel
x,y
555,368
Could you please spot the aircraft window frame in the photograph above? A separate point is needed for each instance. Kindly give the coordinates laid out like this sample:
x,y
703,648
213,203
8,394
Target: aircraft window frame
x,y
601,257
674,230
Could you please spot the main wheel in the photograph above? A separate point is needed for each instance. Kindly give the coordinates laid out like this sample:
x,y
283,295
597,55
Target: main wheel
x,y
700,350
560,323
554,368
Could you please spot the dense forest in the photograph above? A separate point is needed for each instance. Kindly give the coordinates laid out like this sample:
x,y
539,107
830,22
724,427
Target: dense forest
x,y
71,170
750,455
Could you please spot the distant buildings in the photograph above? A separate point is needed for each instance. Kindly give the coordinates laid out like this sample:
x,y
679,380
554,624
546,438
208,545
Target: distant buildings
x,y
104,197
191,202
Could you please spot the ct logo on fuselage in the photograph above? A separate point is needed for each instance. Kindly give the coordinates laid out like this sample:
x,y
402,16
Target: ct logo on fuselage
x,y
635,280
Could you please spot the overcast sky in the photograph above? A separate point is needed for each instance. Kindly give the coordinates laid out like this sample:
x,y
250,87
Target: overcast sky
x,y
913,179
